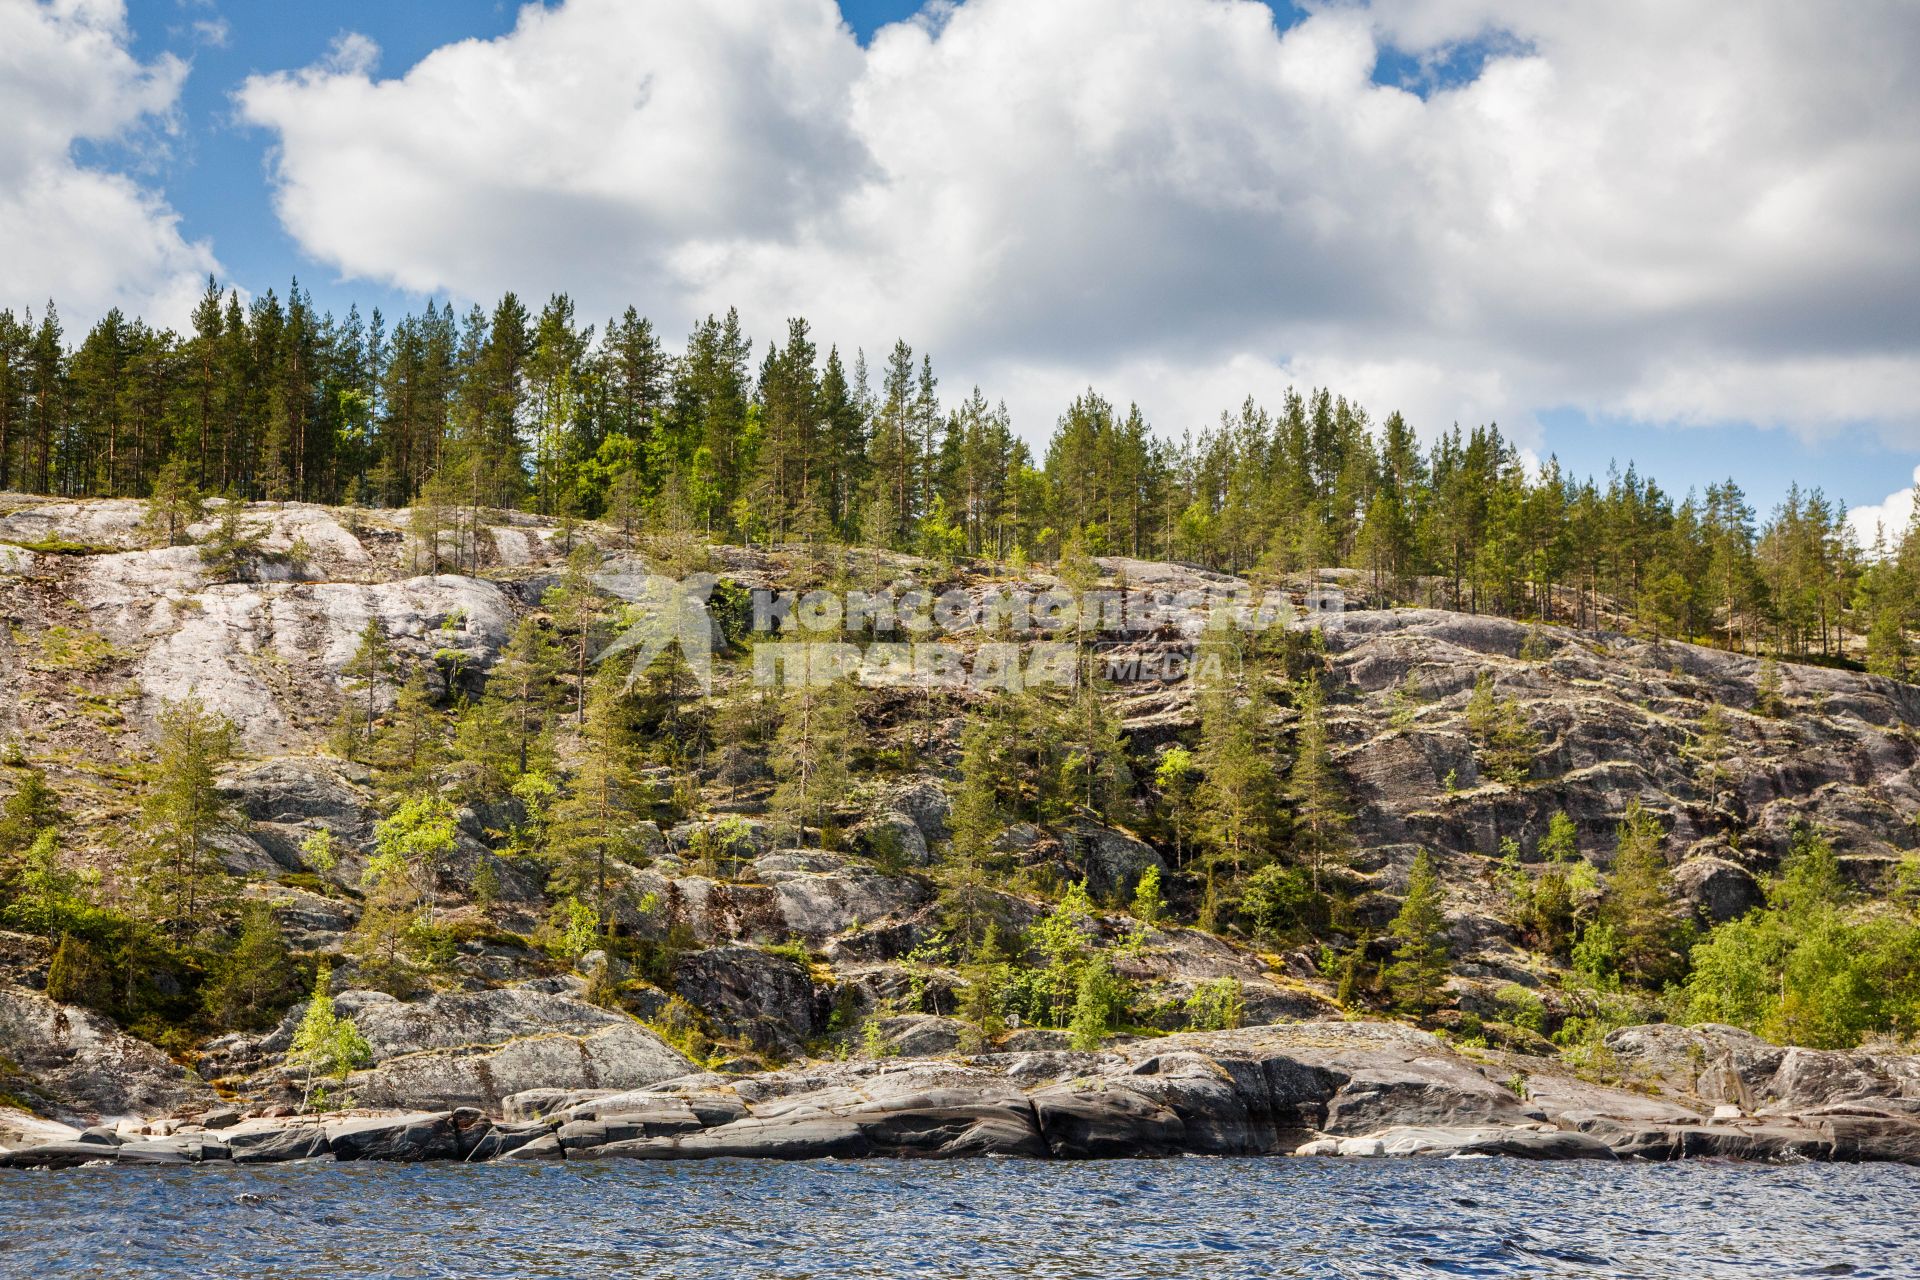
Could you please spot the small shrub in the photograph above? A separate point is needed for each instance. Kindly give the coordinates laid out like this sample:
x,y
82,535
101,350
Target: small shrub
x,y
1216,1005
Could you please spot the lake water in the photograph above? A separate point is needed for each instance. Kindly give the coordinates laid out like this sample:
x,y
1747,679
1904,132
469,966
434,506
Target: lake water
x,y
1182,1218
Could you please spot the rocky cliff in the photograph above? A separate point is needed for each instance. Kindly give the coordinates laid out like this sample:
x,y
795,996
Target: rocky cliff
x,y
781,951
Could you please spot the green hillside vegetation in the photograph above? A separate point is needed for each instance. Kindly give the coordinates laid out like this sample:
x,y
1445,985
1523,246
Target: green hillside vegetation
x,y
609,439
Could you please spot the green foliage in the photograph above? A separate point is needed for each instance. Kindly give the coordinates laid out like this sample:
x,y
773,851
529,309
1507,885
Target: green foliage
x,y
574,930
1417,977
1216,1005
78,974
173,503
810,750
1237,795
1561,843
1281,906
594,826
234,546
1099,1004
1320,817
485,887
1769,699
183,812
325,1044
1174,778
367,675
1521,1008
1549,906
419,834
30,820
1148,904
62,648
397,934
1093,765
1505,743
252,984
318,852
1643,934
410,747
42,889
1814,966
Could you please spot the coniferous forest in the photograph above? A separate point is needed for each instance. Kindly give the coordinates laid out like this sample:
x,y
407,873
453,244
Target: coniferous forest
x,y
779,440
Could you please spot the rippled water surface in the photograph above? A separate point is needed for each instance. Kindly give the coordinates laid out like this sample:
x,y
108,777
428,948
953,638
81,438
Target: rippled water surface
x,y
1119,1218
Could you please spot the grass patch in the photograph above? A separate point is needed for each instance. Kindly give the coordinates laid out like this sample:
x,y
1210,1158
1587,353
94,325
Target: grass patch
x,y
64,547
63,648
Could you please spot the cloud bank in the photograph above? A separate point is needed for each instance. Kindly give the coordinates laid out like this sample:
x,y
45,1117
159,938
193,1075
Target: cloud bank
x,y
90,238
1887,519
1693,213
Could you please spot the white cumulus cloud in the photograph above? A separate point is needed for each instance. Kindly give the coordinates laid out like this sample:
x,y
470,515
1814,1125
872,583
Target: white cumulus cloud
x,y
1887,519
88,237
1691,213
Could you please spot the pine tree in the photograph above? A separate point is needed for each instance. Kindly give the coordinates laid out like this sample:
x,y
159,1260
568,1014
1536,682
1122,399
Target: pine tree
x,y
577,607
1638,906
1319,807
1095,771
1237,791
1417,977
1768,699
410,749
1888,653
1506,742
978,816
257,979
1710,747
183,811
1174,778
810,748
33,807
522,681
595,822
172,504
232,548
366,676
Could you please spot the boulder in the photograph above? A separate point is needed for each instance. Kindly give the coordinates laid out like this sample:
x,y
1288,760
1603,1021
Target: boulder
x,y
920,1035
799,1137
269,1142
1431,1091
86,1066
623,1055
1111,860
194,1149
1096,1119
890,835
504,1141
763,998
818,896
404,1138
1718,890
462,1019
24,1129
58,1155
1415,1140
924,803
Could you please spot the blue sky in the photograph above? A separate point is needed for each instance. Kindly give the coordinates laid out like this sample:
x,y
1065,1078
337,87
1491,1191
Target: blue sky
x,y
1204,247
217,176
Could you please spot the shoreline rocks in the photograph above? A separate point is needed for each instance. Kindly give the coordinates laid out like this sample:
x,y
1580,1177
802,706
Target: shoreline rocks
x,y
1326,1089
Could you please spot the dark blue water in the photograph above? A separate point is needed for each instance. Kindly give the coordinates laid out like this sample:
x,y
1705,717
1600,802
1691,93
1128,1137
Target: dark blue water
x,y
1121,1218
